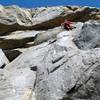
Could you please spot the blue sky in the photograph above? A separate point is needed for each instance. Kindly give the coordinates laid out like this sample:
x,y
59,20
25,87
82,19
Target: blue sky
x,y
39,3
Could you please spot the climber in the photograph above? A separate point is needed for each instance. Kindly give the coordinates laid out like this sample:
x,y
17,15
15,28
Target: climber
x,y
67,25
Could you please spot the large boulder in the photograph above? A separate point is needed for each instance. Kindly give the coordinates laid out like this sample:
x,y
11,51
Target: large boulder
x,y
17,84
17,79
65,72
17,39
89,36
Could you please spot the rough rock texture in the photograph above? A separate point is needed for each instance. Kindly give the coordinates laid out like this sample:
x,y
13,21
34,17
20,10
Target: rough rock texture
x,y
46,61
15,18
16,40
89,36
3,60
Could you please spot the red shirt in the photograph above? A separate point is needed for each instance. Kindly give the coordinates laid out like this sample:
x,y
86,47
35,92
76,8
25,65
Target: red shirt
x,y
67,25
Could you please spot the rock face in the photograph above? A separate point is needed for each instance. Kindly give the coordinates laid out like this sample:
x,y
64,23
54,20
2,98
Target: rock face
x,y
46,61
3,59
15,18
89,36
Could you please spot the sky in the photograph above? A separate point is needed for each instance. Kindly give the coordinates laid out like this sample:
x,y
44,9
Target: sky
x,y
40,3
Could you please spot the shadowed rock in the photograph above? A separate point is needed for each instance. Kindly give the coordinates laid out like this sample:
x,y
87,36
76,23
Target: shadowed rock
x,y
12,54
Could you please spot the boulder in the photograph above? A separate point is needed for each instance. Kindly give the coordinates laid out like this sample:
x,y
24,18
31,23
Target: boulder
x,y
17,84
17,79
48,35
17,39
66,72
89,36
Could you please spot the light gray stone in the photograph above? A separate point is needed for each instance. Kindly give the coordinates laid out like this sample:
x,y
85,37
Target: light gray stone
x,y
3,59
55,64
89,36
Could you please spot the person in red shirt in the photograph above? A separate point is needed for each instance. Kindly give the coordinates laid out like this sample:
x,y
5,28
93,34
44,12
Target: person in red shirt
x,y
67,25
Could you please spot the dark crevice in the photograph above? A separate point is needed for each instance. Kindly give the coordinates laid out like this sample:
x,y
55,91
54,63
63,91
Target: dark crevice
x,y
34,68
52,41
72,90
55,68
12,54
57,59
66,98
2,67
